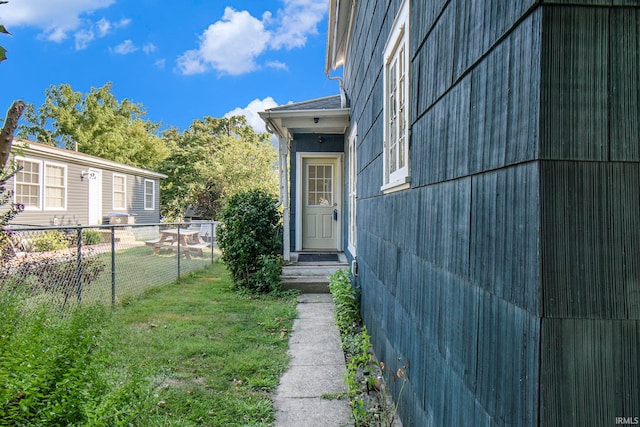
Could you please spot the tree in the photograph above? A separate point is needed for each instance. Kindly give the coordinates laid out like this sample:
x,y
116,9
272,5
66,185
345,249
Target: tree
x,y
8,130
3,30
97,124
212,160
8,209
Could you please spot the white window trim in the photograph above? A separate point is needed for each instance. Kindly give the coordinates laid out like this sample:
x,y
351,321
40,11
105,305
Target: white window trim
x,y
40,188
400,179
153,195
113,192
65,186
42,185
352,244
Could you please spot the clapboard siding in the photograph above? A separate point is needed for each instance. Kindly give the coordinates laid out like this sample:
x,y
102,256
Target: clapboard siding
x,y
443,221
505,242
591,373
77,188
522,216
440,139
575,84
504,120
591,240
625,93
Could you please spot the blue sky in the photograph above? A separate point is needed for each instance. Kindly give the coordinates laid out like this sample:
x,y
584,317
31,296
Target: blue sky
x,y
182,60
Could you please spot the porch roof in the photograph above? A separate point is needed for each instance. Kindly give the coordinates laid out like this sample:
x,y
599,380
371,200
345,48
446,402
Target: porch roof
x,y
320,115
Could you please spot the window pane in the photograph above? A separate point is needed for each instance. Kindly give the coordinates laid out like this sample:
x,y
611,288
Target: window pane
x,y
148,195
119,192
27,184
54,186
320,185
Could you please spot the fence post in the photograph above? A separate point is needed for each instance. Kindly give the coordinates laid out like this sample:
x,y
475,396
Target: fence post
x,y
113,265
213,233
79,266
179,253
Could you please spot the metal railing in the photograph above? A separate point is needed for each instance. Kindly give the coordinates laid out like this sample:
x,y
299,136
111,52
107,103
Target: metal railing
x,y
71,265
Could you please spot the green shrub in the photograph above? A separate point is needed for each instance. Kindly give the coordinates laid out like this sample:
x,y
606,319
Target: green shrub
x,y
50,241
346,301
91,237
268,277
249,232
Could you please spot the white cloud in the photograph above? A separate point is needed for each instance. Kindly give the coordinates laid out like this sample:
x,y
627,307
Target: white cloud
x,y
160,63
277,65
100,29
251,112
296,20
83,38
228,46
124,48
233,44
104,26
55,18
148,48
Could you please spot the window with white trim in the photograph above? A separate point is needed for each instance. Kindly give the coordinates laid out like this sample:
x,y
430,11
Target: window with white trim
x,y
149,194
353,184
119,192
396,105
26,189
55,186
40,185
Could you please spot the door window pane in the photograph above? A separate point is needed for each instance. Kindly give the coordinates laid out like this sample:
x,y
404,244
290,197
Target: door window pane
x,y
319,185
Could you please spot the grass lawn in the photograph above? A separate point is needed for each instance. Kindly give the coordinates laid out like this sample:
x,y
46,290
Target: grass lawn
x,y
138,269
209,356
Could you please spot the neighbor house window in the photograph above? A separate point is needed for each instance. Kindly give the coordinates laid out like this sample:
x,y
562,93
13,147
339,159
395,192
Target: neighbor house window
x,y
353,181
55,186
149,194
120,192
396,105
27,184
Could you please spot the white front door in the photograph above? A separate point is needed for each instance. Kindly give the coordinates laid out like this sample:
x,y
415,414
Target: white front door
x,y
95,196
320,198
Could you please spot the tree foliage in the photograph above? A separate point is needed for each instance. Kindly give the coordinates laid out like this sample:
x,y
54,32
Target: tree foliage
x,y
3,30
97,124
213,160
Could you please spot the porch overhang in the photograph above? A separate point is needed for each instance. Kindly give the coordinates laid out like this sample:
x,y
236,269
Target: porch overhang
x,y
289,122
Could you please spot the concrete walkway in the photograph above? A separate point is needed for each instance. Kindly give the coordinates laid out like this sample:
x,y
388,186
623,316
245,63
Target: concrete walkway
x,y
316,368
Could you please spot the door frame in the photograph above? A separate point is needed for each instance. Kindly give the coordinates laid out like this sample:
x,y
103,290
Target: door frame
x,y
300,156
98,179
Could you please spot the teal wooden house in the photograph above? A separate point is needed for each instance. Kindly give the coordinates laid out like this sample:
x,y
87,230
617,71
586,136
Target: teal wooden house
x,y
481,167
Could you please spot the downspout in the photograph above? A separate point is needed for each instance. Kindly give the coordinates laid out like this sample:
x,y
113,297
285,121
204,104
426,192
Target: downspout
x,y
343,96
284,198
283,152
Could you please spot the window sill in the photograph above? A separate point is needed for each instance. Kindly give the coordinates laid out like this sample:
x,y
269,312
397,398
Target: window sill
x,y
394,186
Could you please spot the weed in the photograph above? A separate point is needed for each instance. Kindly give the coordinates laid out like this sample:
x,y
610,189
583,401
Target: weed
x,y
368,398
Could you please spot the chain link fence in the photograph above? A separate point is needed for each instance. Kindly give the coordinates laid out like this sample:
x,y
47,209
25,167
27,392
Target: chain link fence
x,y
67,266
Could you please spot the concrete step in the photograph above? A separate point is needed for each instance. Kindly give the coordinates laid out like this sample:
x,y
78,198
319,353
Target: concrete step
x,y
311,270
307,285
310,277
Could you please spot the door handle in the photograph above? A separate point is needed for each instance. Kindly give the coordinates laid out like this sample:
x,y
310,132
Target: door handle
x,y
335,214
